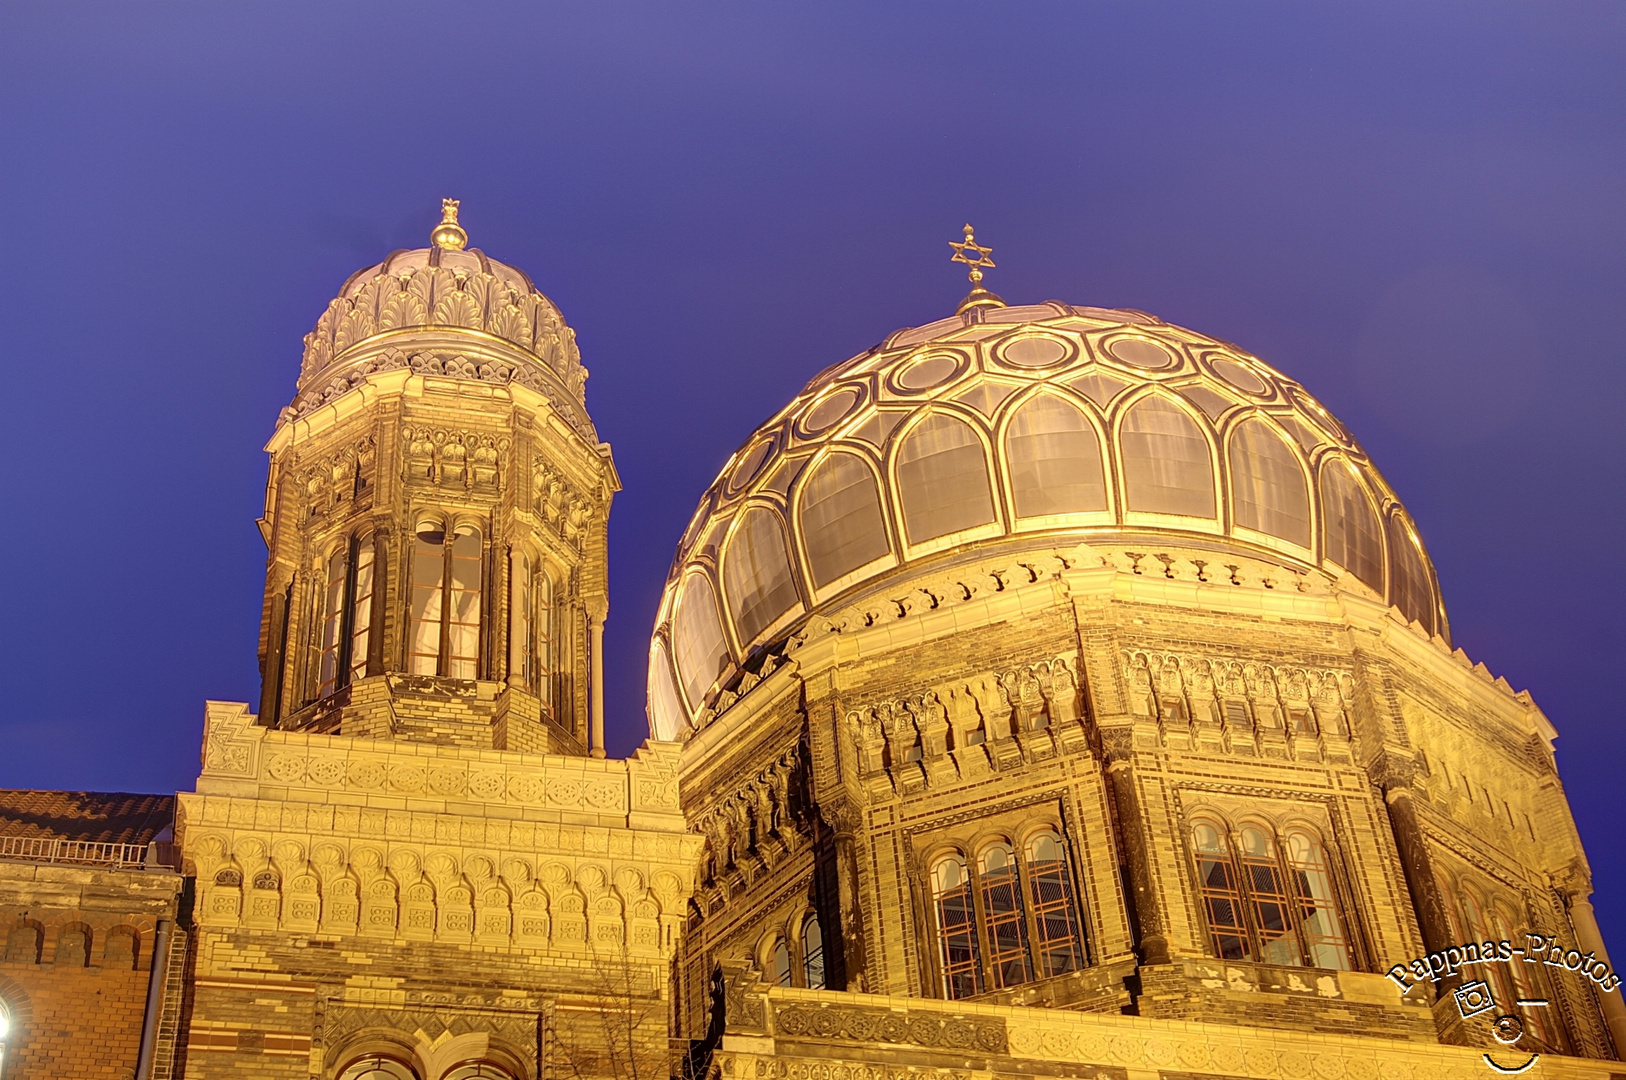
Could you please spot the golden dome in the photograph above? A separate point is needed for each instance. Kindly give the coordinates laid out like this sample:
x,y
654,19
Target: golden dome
x,y
1000,426
443,310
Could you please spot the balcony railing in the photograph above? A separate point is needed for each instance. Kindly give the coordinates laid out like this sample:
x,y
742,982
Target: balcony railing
x,y
46,849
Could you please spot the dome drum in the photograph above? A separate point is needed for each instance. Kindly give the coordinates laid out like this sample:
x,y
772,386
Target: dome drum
x,y
1007,422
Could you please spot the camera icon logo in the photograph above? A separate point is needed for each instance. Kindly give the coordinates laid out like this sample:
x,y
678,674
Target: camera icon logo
x,y
1474,998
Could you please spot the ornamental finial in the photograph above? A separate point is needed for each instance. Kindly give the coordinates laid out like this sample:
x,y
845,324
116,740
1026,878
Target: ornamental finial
x,y
979,296
449,234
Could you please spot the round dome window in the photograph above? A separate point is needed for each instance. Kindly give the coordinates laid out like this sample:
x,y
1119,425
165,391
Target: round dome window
x,y
1033,352
1239,376
751,464
831,411
929,371
1141,353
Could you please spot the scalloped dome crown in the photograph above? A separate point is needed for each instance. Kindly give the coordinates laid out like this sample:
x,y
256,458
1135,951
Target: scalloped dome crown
x,y
1007,424
443,310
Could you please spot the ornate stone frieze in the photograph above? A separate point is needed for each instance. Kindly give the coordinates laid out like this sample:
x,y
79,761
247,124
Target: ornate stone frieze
x,y
460,460
1237,694
900,1026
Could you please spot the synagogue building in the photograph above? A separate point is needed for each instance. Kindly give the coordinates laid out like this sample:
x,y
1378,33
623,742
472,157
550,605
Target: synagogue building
x,y
1046,691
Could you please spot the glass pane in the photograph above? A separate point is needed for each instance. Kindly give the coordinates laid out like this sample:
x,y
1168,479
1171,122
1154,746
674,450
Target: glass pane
x,y
1268,486
666,713
1004,921
1166,465
698,637
841,519
1408,585
756,573
813,953
956,929
1324,941
1354,540
428,588
463,654
1054,460
332,623
1222,897
781,963
943,479
361,609
519,621
542,634
1055,916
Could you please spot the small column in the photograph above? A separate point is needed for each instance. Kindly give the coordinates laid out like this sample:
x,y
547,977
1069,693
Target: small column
x,y
1147,915
1418,867
1587,936
595,703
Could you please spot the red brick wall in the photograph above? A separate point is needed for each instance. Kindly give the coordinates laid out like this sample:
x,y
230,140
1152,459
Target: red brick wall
x,y
74,1017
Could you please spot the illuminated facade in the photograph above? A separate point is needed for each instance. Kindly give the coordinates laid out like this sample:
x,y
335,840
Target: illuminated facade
x,y
1047,691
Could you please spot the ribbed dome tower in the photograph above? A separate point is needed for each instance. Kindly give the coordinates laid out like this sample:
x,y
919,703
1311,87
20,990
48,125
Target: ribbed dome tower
x,y
436,515
1060,655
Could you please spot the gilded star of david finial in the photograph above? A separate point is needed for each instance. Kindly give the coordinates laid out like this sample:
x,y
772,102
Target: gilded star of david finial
x,y
978,257
975,256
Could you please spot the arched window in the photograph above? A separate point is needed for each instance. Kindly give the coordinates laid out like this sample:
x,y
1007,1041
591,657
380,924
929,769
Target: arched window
x,y
666,713
1056,938
756,573
374,1067
1518,981
1325,945
1408,583
1268,490
842,527
1221,892
530,639
698,638
779,963
1354,540
1006,928
812,952
1166,465
5,1033
956,928
943,479
1054,459
1279,907
332,622
444,609
1267,894
361,607
479,1070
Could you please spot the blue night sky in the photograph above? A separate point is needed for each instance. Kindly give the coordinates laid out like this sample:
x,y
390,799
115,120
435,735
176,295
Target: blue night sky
x,y
1418,210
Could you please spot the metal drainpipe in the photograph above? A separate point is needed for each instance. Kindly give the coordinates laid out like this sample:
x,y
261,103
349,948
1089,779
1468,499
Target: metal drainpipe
x,y
155,995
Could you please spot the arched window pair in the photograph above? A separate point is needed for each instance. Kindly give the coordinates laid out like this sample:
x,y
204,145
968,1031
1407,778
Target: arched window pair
x,y
530,631
1266,900
345,630
784,970
1004,921
444,609
1479,920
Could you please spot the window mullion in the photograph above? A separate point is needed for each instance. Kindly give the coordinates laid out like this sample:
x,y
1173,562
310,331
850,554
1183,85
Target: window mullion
x,y
443,662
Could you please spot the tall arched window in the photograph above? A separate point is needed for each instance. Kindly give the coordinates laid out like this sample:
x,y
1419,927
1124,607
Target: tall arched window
x,y
346,616
1408,582
1167,469
1268,490
374,1067
1279,908
943,479
1354,540
1056,936
756,573
779,963
697,634
812,952
1221,892
840,511
956,928
1317,912
530,644
332,622
444,607
1006,926
1054,459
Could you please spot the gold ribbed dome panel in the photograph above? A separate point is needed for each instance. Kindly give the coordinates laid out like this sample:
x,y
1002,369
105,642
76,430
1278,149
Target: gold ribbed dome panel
x,y
1005,422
